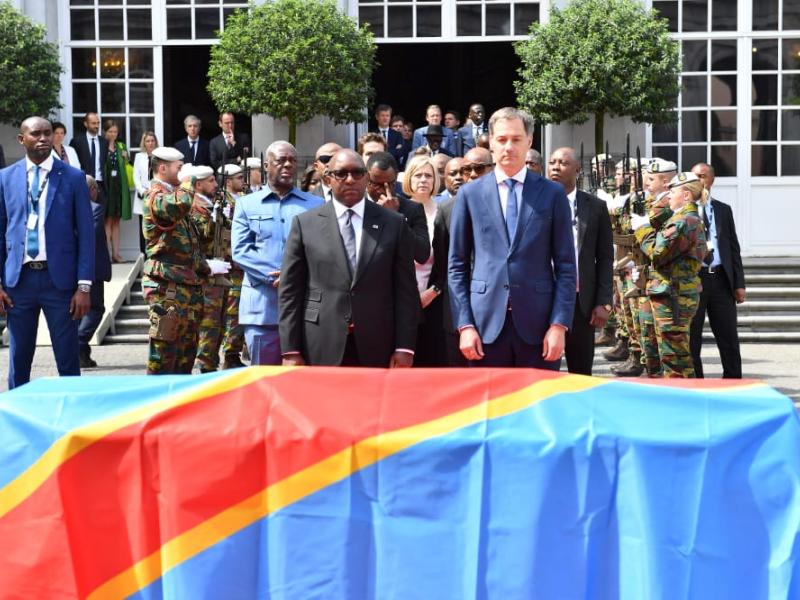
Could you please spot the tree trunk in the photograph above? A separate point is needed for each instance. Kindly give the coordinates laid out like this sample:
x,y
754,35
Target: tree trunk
x,y
599,118
293,131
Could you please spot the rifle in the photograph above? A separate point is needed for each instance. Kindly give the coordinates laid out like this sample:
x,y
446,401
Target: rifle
x,y
625,187
220,200
638,203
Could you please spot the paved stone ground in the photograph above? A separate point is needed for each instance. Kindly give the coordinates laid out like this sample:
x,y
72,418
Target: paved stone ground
x,y
778,365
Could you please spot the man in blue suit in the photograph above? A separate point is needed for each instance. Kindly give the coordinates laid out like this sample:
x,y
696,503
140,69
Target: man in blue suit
x,y
395,145
193,147
513,306
46,252
261,224
470,133
433,115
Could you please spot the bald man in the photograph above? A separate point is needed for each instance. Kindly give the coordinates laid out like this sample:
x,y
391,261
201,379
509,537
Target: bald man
x,y
321,158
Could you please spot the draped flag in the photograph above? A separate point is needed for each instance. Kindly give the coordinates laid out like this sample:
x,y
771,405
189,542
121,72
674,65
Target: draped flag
x,y
327,483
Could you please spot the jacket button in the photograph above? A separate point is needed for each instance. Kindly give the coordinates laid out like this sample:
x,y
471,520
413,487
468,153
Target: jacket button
x,y
505,287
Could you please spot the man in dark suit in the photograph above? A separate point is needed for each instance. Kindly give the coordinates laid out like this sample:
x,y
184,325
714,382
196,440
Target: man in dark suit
x,y
228,147
193,147
722,277
473,130
394,141
92,150
2,158
102,272
322,157
46,252
591,228
348,294
433,115
512,269
381,186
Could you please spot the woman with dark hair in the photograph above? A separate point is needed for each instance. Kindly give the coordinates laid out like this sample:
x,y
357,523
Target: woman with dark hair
x,y
61,151
310,179
117,186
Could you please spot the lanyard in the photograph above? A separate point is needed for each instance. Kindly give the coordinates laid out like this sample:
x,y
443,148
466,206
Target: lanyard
x,y
35,203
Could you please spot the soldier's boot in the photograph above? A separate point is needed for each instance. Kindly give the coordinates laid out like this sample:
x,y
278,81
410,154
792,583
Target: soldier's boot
x,y
606,338
619,352
632,367
232,361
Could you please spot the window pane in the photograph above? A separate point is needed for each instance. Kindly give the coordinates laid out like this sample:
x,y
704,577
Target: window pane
x,y
666,152
498,19
765,90
112,63
694,92
691,155
723,55
112,97
723,158
179,1
110,24
429,21
84,97
723,15
764,161
669,11
84,63
765,55
468,20
791,54
790,160
139,25
400,21
723,90
82,24
81,2
138,126
695,56
141,97
227,12
791,15
790,125
695,15
765,15
373,16
179,24
524,16
694,126
723,125
206,23
791,90
140,63
665,133
765,125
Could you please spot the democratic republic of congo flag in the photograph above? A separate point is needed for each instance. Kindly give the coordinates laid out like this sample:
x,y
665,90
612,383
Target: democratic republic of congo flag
x,y
320,483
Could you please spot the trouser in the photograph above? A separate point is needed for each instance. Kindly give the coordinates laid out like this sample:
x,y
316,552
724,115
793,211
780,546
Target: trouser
x,y
717,299
510,350
211,327
91,320
619,309
233,337
264,344
579,350
177,356
648,339
630,311
672,332
36,292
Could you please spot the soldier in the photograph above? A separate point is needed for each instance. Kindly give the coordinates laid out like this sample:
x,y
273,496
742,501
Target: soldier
x,y
602,178
253,178
174,269
673,286
233,332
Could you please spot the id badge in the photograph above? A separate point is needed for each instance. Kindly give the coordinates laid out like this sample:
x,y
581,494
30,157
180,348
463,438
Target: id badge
x,y
114,173
33,219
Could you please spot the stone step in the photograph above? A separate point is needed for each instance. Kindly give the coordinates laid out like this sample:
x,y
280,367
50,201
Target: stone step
x,y
772,292
132,325
129,311
755,279
126,338
759,337
789,307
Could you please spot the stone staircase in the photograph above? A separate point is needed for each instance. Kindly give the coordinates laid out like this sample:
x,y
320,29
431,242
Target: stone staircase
x,y
771,313
131,323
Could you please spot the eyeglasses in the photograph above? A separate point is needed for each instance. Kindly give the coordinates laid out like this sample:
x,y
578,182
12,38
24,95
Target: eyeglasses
x,y
378,184
325,158
532,163
341,174
478,168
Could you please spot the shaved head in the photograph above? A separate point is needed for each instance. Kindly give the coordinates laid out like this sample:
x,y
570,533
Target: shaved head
x,y
478,155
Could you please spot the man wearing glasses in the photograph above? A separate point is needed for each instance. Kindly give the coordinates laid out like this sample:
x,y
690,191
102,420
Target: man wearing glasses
x,y
477,163
321,158
348,293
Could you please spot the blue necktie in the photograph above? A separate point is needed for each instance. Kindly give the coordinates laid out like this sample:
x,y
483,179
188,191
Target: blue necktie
x,y
193,152
33,234
94,157
511,211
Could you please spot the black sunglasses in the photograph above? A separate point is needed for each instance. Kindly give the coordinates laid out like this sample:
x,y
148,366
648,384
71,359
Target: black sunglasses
x,y
325,158
478,168
341,174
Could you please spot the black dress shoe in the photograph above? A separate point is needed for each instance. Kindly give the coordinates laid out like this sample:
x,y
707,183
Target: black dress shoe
x,y
232,361
85,360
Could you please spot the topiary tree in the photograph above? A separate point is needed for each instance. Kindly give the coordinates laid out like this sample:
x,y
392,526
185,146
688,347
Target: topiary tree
x,y
29,68
599,57
293,59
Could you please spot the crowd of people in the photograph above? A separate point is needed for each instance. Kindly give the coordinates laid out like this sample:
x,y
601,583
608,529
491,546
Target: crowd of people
x,y
445,245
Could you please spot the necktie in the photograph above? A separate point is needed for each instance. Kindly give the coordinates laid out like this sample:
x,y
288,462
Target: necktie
x,y
349,236
94,156
575,212
33,234
710,254
385,134
194,155
511,211
63,155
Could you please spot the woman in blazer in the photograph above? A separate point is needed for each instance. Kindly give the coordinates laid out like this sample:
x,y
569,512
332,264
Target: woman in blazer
x,y
117,186
141,177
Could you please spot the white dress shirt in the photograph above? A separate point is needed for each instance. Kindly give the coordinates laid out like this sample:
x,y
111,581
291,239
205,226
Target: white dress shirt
x,y
196,142
501,177
573,207
141,168
98,173
357,220
44,182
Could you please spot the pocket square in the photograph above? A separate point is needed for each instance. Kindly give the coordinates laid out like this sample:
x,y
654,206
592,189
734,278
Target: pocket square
x,y
374,226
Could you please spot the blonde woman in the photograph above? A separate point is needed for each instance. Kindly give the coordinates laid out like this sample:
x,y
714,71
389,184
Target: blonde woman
x,y
420,183
141,177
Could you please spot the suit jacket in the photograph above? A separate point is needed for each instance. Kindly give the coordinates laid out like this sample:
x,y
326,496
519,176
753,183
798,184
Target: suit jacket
x,y
261,223
396,146
728,244
218,149
81,145
318,296
467,138
2,158
535,271
102,262
414,214
202,155
441,246
595,253
69,231
448,143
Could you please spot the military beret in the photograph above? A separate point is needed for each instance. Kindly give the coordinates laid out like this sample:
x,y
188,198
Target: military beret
x,y
682,179
253,162
601,158
167,153
631,164
197,171
659,165
230,170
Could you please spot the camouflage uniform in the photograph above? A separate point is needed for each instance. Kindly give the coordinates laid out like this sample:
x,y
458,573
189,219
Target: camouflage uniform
x,y
676,252
173,275
233,338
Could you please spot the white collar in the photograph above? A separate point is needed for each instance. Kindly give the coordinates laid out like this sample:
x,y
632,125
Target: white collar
x,y
45,165
572,195
90,137
340,208
193,141
519,176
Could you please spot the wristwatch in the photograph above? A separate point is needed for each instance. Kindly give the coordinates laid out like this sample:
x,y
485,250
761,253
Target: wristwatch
x,y
84,287
608,307
437,289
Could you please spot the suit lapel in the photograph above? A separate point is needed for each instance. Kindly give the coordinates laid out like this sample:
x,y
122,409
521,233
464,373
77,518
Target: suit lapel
x,y
583,217
530,194
52,185
493,205
330,227
371,233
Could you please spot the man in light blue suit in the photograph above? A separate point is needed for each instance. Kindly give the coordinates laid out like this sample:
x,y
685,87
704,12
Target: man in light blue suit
x,y
433,115
46,252
261,223
513,306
